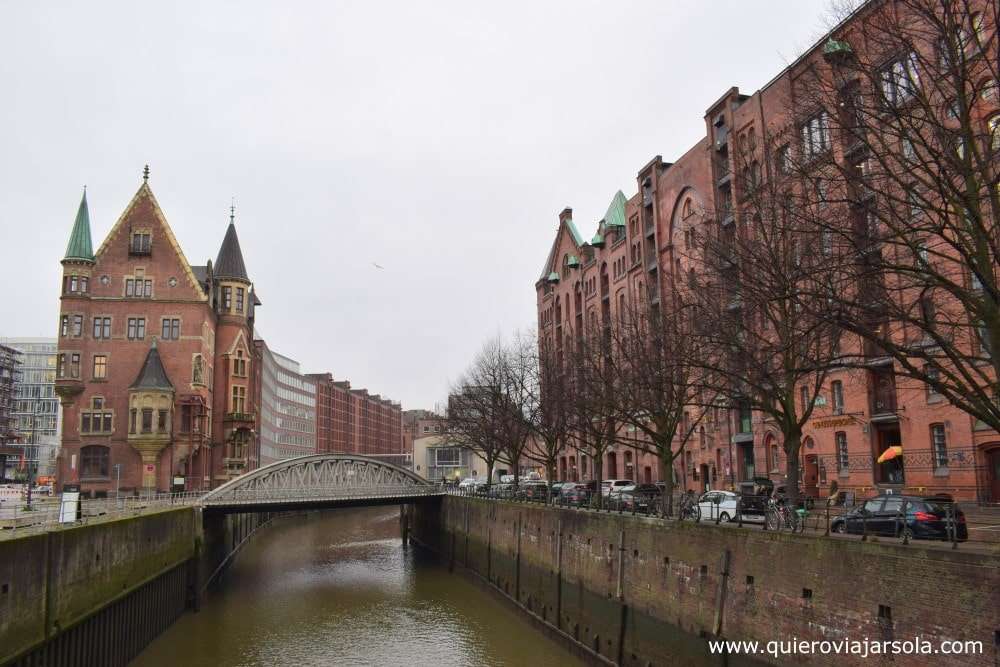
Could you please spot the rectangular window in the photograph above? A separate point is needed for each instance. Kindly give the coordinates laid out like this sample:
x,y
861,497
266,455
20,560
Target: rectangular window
x,y
239,399
74,365
131,420
77,326
171,329
450,456
227,297
85,422
107,422
147,420
64,326
784,159
102,327
84,283
141,243
100,367
940,446
149,288
185,419
136,328
899,80
837,397
129,287
73,284
161,421
239,299
932,373
816,135
842,459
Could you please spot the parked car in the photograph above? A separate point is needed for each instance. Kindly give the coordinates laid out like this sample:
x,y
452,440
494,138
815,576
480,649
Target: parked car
x,y
469,483
647,489
611,487
630,501
575,494
533,491
755,494
719,505
892,515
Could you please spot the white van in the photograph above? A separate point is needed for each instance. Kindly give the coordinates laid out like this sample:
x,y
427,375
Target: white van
x,y
611,487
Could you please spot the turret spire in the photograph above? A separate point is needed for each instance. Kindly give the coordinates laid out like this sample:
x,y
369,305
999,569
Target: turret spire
x,y
80,247
229,263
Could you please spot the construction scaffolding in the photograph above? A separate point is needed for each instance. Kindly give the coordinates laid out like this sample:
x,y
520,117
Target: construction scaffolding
x,y
10,374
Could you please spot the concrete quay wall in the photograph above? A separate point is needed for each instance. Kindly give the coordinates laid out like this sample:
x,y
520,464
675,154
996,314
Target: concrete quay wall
x,y
639,591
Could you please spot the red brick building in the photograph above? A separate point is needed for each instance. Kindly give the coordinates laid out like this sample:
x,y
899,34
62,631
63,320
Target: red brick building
x,y
637,251
356,422
156,359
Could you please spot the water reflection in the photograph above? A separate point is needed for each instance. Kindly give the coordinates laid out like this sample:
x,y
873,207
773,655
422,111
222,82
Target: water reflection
x,y
337,588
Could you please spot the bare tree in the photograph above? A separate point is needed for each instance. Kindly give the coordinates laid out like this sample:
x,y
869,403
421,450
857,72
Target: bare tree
x,y
905,152
477,419
760,299
548,406
658,375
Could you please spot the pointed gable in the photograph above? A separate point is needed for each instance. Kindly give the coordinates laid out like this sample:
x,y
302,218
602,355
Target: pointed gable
x,y
166,259
152,375
229,263
80,246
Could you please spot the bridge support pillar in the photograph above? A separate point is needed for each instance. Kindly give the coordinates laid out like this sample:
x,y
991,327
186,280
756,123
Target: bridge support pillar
x,y
404,524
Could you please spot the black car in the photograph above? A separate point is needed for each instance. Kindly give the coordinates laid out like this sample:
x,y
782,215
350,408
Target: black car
x,y
894,515
754,495
630,501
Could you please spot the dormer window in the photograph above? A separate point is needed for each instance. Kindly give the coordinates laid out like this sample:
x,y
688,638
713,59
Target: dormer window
x,y
141,243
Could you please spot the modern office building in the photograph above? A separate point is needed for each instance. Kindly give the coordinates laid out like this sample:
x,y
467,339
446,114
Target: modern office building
x,y
35,412
288,407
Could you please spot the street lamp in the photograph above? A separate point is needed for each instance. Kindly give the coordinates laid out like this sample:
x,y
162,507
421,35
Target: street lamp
x,y
118,479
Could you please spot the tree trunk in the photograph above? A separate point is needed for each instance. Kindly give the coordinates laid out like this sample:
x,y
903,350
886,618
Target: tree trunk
x,y
550,473
667,475
793,443
597,465
489,472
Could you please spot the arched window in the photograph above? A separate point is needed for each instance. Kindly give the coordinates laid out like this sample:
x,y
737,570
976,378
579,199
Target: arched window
x,y
686,208
994,124
94,461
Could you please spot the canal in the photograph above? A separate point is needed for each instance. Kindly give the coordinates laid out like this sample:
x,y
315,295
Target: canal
x,y
337,588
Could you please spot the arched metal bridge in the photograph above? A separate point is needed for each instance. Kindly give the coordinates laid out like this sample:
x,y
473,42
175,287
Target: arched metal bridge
x,y
319,480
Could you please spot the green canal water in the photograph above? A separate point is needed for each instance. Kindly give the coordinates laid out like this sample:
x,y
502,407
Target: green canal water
x,y
338,589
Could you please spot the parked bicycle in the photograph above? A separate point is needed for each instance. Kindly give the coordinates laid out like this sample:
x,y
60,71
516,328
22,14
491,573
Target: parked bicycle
x,y
689,510
780,517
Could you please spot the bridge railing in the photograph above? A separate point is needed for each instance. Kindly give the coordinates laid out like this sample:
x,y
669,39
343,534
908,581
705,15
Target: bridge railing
x,y
45,511
318,494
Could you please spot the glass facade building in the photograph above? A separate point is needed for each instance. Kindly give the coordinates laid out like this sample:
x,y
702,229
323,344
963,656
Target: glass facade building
x,y
36,412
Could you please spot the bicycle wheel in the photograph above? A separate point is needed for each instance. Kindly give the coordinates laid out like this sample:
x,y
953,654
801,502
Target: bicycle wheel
x,y
772,520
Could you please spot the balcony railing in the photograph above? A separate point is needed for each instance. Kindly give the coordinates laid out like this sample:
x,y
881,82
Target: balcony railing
x,y
239,417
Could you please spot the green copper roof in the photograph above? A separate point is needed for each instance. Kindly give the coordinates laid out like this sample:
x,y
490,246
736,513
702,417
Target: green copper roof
x,y
598,240
553,277
615,216
834,46
572,260
80,245
575,232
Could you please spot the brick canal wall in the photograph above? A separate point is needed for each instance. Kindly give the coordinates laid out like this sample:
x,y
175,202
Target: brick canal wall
x,y
97,594
640,592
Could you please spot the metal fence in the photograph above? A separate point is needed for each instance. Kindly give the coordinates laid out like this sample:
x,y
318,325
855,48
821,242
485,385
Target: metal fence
x,y
943,523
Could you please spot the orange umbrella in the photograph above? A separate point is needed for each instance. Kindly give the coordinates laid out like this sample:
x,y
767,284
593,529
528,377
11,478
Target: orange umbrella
x,y
890,453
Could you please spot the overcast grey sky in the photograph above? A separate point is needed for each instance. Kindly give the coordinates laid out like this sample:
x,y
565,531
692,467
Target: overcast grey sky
x,y
437,139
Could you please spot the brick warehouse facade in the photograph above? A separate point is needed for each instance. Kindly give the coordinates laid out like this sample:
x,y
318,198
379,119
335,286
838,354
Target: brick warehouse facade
x,y
352,421
638,254
156,363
